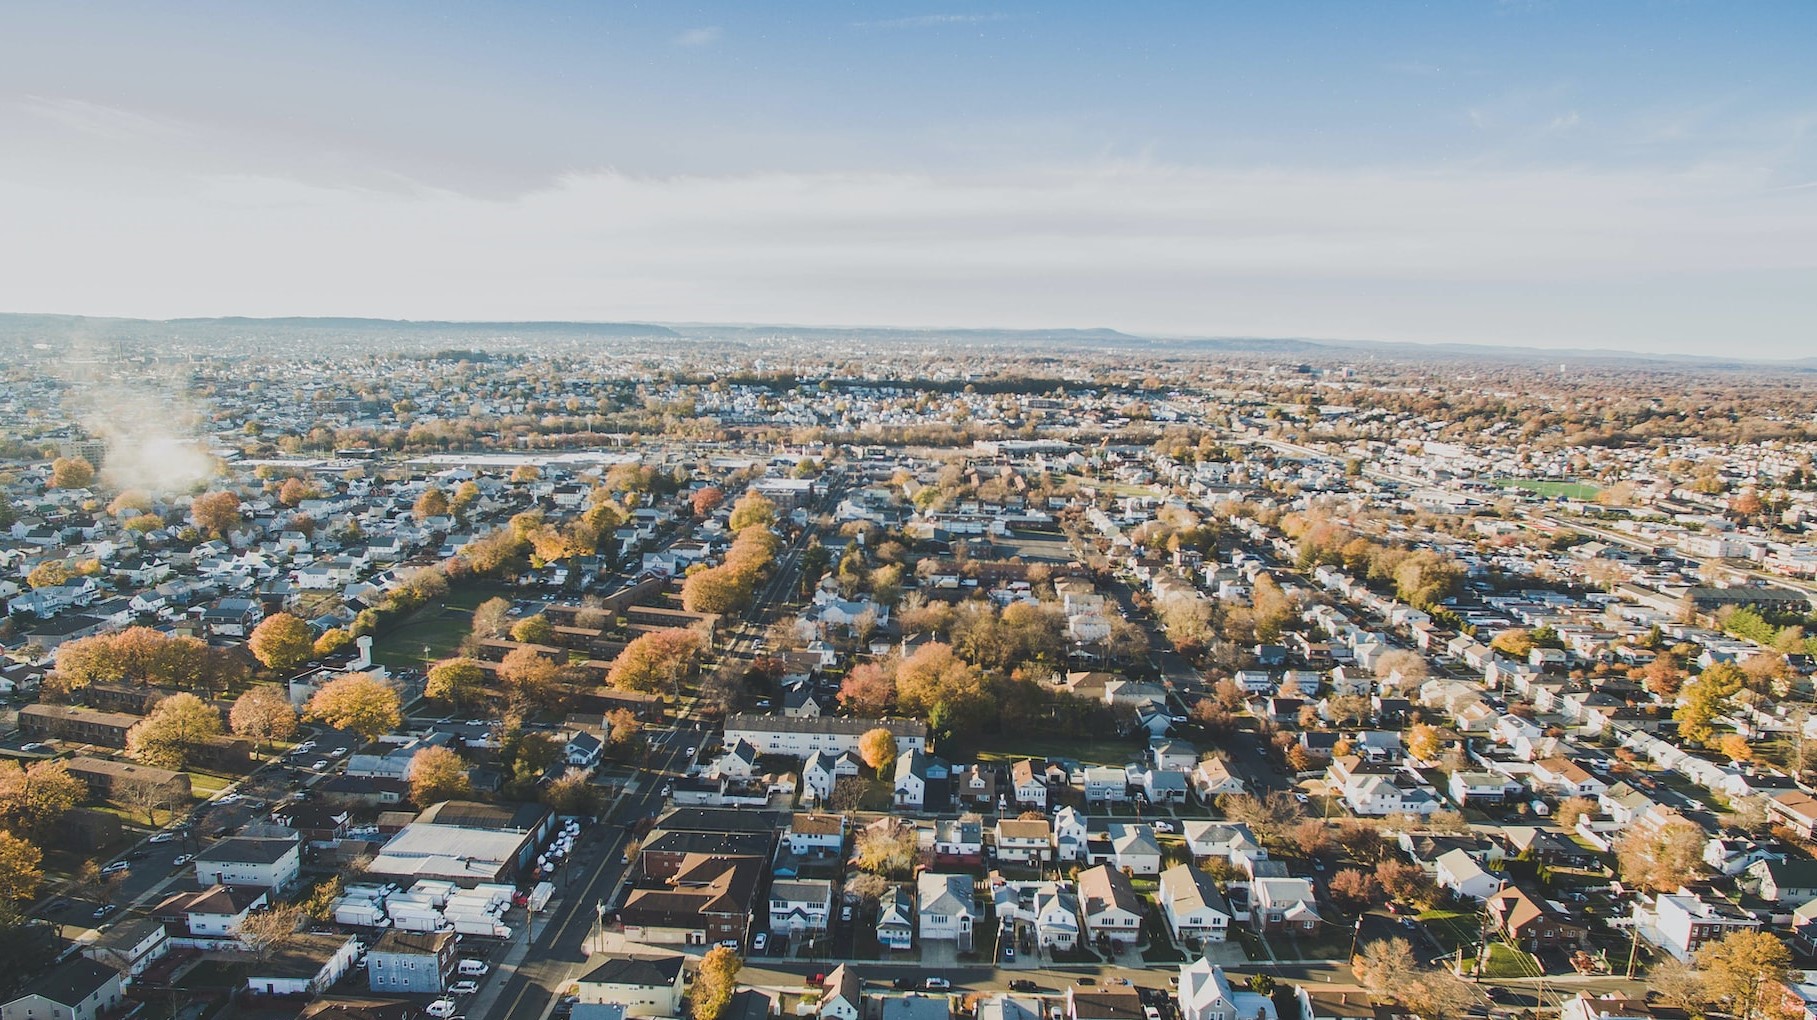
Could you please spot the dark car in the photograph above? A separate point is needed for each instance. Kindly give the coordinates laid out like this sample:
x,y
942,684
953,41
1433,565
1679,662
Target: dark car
x,y
904,984
1023,985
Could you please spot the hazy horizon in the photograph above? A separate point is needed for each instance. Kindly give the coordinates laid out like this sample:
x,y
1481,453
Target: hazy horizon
x,y
1635,176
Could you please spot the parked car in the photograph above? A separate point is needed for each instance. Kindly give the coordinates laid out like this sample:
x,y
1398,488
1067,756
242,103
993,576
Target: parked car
x,y
936,984
162,837
441,1008
761,942
104,909
1023,985
320,764
116,867
181,859
464,987
1163,825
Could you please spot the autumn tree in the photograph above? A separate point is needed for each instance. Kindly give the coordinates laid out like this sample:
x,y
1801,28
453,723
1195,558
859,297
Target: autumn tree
x,y
49,574
655,660
705,501
215,513
359,702
172,731
1410,664
869,690
1384,966
267,932
432,503
71,473
753,510
293,491
1660,858
1745,971
573,793
438,774
458,683
886,849
35,797
332,641
877,749
1571,809
263,714
868,887
282,642
624,732
1707,696
492,619
1736,747
1425,742
21,868
1516,642
533,630
714,983
1354,891
529,677
1406,883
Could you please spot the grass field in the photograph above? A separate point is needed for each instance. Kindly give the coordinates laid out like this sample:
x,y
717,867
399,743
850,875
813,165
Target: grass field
x,y
1505,961
1015,747
433,632
1551,489
1451,928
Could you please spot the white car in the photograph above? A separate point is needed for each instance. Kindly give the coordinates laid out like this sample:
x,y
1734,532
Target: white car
x,y
441,1008
1164,825
181,859
162,837
229,798
116,867
464,987
320,764
762,941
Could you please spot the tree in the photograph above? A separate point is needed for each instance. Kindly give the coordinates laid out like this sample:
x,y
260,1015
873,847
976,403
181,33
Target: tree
x,y
282,642
1406,883
886,848
1573,808
35,797
215,513
1677,983
1745,971
573,793
1736,747
144,795
1516,642
1706,697
438,774
877,749
1354,891
721,589
293,491
432,503
456,682
1410,664
48,574
1384,966
529,676
1660,858
705,501
869,690
1424,741
753,510
20,868
655,660
71,473
867,887
359,702
492,618
172,731
533,630
1438,993
624,732
714,983
332,641
265,932
263,714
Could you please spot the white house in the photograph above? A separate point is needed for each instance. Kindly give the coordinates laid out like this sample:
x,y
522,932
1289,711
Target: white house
x,y
1070,834
77,989
896,919
1206,994
265,863
944,910
1192,904
1460,873
802,904
1109,904
1024,840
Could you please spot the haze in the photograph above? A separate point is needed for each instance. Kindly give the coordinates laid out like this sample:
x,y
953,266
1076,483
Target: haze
x,y
1628,175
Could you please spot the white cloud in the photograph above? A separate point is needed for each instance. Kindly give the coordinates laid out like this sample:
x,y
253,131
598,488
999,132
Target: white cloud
x,y
705,36
1518,256
107,122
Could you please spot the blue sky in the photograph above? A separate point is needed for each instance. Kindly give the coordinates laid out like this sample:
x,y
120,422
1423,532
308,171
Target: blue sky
x,y
1640,175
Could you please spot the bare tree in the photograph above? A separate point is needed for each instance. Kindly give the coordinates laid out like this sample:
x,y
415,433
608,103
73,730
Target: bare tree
x,y
265,932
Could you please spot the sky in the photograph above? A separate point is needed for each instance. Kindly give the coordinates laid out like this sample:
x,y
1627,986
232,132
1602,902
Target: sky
x,y
1629,174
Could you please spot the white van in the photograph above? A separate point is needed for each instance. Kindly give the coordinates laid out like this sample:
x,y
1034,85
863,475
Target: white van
x,y
473,968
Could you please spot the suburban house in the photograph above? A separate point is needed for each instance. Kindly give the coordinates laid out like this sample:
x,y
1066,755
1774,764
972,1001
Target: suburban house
x,y
1025,840
1526,922
645,986
1106,784
1683,924
896,919
405,961
130,946
800,904
1459,872
244,860
1192,905
841,995
1029,784
1206,994
1228,841
1563,777
1284,904
945,911
801,736
814,833
1110,906
77,989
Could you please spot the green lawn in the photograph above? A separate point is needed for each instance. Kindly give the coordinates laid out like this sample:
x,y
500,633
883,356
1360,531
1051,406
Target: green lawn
x,y
1505,961
1015,747
433,632
1551,489
207,784
1452,928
